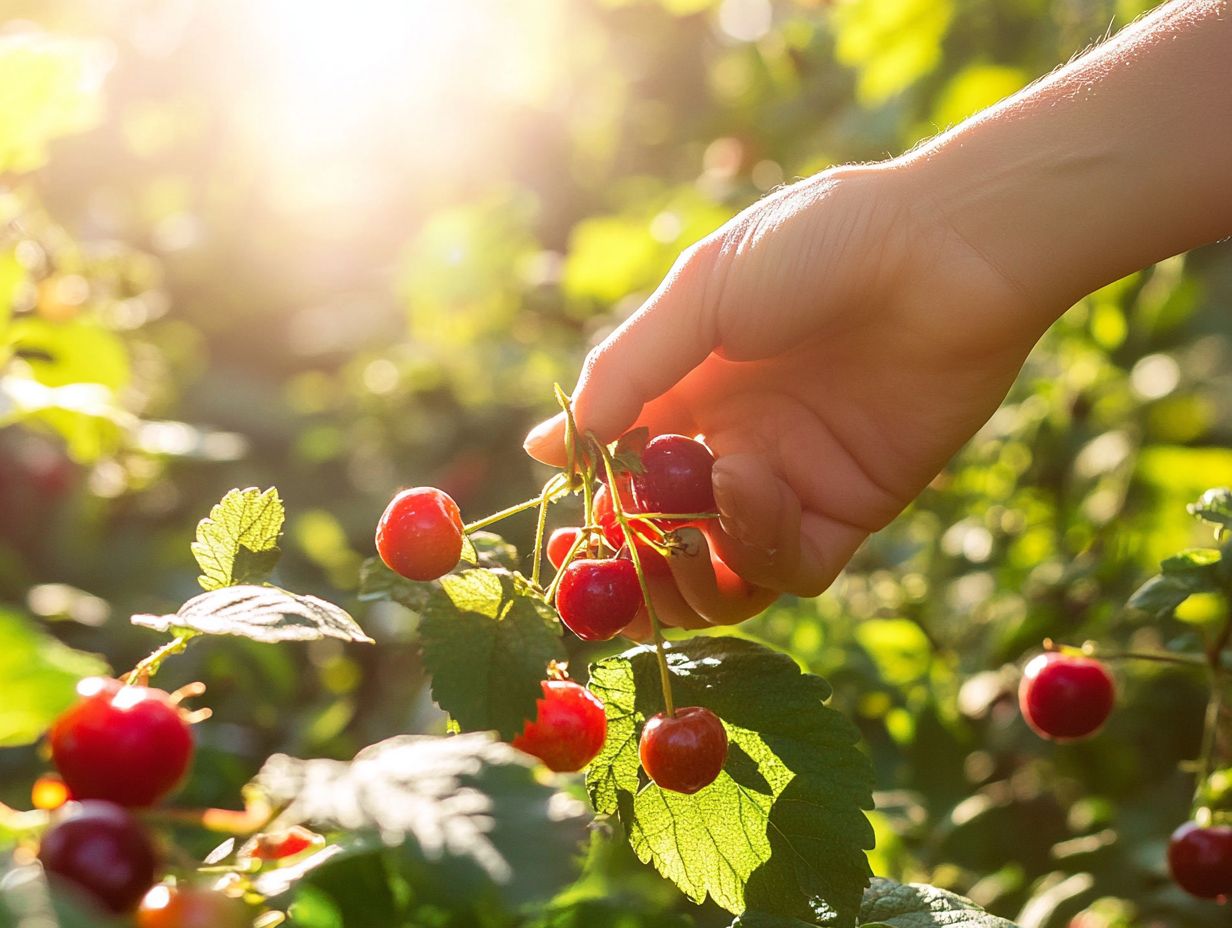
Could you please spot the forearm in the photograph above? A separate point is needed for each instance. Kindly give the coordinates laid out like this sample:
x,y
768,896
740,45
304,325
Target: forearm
x,y
1117,160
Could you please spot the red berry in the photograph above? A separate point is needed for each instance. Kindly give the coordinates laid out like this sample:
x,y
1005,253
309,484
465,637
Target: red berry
x,y
652,561
125,744
280,845
560,544
676,477
1064,697
597,598
420,534
103,851
569,727
1201,859
184,907
685,752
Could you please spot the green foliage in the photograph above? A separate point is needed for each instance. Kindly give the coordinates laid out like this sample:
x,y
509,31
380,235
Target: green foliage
x,y
890,905
238,542
261,613
487,640
781,829
463,809
40,678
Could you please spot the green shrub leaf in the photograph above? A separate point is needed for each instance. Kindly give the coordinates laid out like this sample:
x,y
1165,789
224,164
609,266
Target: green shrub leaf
x,y
914,905
781,830
40,678
262,613
238,542
464,799
487,640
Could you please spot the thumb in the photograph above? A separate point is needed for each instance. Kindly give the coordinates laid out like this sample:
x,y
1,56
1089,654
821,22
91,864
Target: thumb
x,y
650,353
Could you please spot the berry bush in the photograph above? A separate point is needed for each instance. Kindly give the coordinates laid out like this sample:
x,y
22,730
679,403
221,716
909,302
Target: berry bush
x,y
1011,709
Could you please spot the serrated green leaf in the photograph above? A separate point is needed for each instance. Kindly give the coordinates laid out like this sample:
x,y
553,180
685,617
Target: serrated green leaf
x,y
238,542
914,905
1214,506
40,677
1164,592
627,454
793,849
487,640
262,613
461,800
377,582
491,550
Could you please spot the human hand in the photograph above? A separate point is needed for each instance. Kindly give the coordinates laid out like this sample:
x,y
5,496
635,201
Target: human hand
x,y
834,345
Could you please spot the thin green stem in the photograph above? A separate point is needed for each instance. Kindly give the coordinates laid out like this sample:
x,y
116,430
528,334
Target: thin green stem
x,y
1214,708
545,498
1090,649
582,539
671,516
665,676
148,666
512,510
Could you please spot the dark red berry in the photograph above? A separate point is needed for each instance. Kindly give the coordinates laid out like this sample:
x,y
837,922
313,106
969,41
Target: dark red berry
x,y
1064,697
1201,859
102,850
652,561
684,752
420,534
560,544
125,744
569,727
676,477
597,598
186,907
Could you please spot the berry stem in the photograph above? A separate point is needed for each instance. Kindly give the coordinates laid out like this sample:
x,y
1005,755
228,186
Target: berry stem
x,y
557,485
1091,649
148,666
672,516
665,676
1214,708
583,538
544,499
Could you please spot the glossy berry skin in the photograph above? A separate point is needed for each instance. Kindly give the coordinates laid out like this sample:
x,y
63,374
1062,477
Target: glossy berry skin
x,y
280,845
597,598
652,561
569,727
126,744
676,477
103,851
685,752
420,534
1064,697
1200,860
560,543
186,907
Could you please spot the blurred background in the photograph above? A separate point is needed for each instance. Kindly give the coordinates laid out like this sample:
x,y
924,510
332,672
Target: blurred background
x,y
346,247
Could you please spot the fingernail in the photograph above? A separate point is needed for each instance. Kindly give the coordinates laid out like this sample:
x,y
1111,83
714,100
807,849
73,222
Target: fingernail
x,y
536,436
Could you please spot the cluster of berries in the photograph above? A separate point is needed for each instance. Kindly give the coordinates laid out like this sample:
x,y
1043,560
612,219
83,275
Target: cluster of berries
x,y
598,595
1067,697
120,749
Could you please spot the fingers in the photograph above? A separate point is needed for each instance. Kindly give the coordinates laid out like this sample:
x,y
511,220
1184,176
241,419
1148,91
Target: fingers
x,y
766,537
710,588
649,354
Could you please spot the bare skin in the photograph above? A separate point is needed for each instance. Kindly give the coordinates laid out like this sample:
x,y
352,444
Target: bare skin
x,y
839,341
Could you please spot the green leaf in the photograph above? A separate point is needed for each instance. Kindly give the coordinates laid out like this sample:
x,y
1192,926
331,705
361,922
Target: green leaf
x,y
781,830
487,640
914,905
1194,570
49,87
238,542
464,799
1215,506
377,582
262,613
491,550
40,677
627,455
